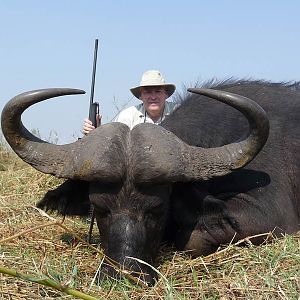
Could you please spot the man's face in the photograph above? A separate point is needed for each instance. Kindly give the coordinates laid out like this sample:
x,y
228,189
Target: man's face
x,y
154,98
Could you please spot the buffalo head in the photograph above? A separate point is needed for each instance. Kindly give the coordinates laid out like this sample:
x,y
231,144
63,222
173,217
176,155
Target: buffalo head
x,y
128,174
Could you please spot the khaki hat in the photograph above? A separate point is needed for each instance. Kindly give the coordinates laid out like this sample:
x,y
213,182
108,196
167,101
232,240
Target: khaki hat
x,y
153,78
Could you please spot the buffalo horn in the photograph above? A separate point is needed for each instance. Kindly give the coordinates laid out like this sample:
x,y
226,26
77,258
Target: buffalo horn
x,y
168,159
79,160
219,161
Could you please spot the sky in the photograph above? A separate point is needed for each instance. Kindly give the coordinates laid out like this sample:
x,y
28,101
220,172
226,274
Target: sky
x,y
45,44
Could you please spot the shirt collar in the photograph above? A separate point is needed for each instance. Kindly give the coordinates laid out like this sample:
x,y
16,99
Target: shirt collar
x,y
143,113
166,112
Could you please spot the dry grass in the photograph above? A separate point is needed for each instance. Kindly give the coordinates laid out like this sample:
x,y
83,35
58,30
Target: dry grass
x,y
269,271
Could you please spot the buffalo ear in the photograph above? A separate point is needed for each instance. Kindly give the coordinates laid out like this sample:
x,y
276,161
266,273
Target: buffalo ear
x,y
70,199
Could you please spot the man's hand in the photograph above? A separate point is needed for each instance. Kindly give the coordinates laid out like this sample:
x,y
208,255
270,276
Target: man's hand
x,y
88,126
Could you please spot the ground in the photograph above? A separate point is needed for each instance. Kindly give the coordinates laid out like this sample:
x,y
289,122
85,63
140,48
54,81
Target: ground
x,y
35,244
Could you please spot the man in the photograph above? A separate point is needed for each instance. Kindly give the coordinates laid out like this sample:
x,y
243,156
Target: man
x,y
153,92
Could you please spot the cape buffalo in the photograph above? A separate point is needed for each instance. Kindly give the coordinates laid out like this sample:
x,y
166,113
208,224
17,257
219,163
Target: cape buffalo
x,y
214,172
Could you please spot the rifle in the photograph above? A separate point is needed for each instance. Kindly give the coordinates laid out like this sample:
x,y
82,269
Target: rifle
x,y
93,112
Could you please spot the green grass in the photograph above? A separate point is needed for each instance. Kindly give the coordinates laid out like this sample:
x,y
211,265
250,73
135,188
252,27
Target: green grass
x,y
269,271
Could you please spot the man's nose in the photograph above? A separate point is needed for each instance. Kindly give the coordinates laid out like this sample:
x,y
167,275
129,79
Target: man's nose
x,y
153,95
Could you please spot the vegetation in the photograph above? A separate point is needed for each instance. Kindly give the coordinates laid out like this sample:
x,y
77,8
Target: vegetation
x,y
33,243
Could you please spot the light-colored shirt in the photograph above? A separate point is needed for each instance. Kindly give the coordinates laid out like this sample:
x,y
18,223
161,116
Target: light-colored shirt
x,y
134,115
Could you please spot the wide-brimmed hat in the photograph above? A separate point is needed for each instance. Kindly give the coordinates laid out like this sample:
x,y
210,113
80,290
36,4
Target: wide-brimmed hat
x,y
153,78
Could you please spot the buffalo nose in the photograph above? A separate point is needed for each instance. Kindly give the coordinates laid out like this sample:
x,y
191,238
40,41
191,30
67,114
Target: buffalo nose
x,y
144,273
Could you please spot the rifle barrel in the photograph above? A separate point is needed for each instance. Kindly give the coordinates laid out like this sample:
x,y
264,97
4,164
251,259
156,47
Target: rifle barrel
x,y
94,72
